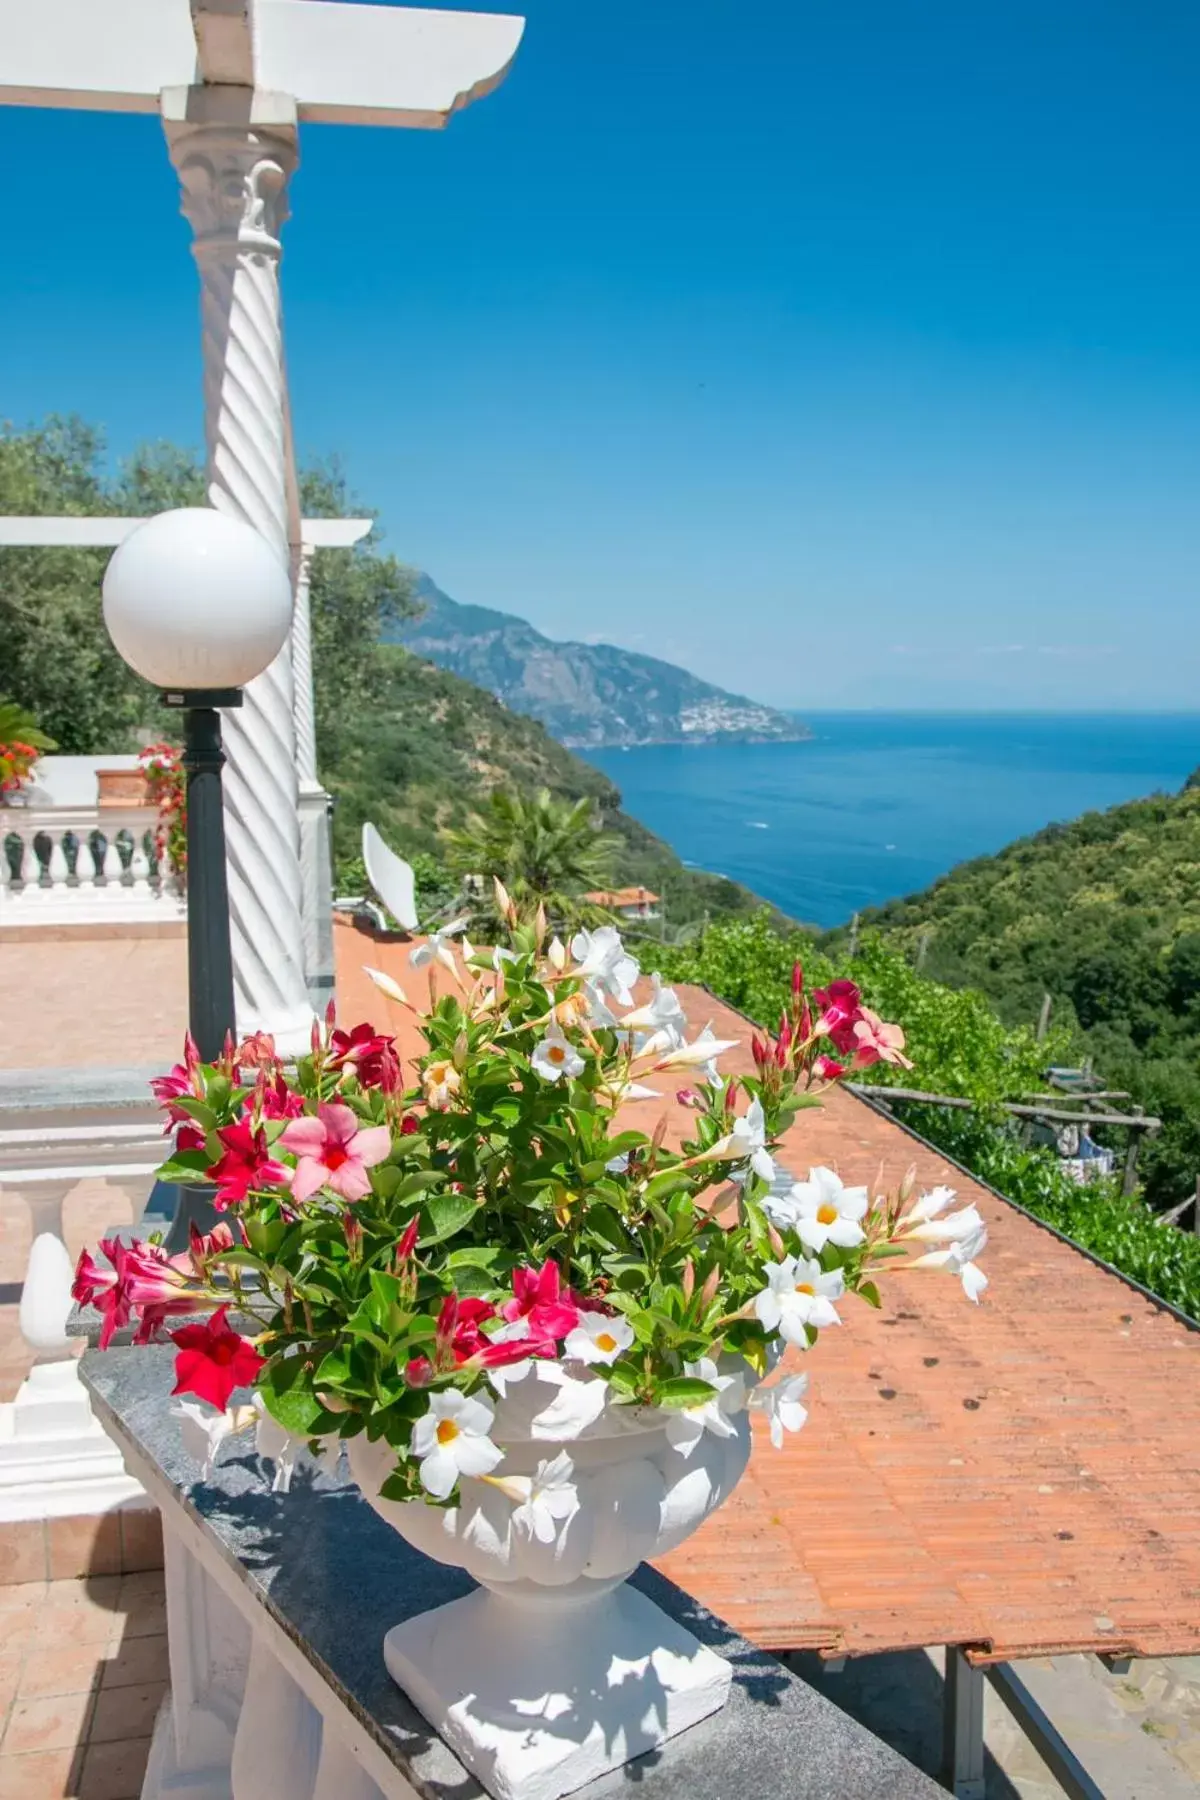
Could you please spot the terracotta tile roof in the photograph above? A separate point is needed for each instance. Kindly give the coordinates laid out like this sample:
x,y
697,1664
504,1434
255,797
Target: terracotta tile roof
x,y
626,896
1021,1477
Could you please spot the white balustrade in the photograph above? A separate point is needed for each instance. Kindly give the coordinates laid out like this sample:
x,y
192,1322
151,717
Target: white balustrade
x,y
88,865
55,1460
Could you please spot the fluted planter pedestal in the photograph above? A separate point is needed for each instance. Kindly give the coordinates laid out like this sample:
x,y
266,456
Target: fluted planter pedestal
x,y
538,1698
557,1671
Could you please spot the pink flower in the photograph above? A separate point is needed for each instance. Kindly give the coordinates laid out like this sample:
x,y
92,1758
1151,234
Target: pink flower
x,y
184,1078
538,1297
103,1288
333,1151
247,1163
371,1055
190,1137
152,1278
203,1244
877,1042
841,1005
213,1360
826,1069
258,1051
276,1100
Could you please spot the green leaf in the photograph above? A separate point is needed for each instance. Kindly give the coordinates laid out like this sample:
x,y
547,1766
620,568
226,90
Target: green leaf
x,y
683,1390
870,1294
286,1385
445,1214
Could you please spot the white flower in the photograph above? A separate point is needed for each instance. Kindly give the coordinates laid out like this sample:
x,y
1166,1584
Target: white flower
x,y
746,1143
708,1071
604,961
618,1165
598,1338
616,1093
556,1056
203,1430
823,1211
386,985
687,1426
543,1498
556,955
701,1054
930,1205
437,946
798,1293
662,1014
661,1042
959,1258
451,1439
781,1403
276,1444
949,1228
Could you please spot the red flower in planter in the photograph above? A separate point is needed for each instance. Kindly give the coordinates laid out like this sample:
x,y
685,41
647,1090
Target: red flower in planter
x,y
247,1163
841,1008
103,1288
213,1360
369,1053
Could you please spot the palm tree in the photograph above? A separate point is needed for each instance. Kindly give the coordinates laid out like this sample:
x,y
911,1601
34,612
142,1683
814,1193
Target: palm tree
x,y
543,850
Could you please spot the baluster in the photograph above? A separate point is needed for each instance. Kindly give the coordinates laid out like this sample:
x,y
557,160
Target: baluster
x,y
139,865
85,862
114,868
57,866
31,868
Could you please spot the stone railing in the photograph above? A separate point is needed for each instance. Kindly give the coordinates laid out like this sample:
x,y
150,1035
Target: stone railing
x,y
56,1134
85,865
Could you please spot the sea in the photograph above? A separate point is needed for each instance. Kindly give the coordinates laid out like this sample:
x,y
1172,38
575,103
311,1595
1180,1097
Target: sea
x,y
876,805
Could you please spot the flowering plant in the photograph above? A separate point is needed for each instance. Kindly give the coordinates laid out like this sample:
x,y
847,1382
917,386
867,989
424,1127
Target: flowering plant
x,y
166,789
16,761
393,1256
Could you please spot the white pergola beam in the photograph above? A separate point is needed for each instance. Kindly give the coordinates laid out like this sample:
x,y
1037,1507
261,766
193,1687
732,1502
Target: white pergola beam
x,y
43,532
342,63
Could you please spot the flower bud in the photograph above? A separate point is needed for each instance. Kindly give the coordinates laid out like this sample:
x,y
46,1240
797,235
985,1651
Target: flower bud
x,y
797,979
778,1247
354,1235
331,1014
314,1039
557,955
688,1283
540,923
690,1098
708,1292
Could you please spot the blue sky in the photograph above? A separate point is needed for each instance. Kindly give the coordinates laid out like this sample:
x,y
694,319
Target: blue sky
x,y
847,354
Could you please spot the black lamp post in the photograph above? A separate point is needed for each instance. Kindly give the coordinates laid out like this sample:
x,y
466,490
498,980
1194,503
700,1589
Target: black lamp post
x,y
200,604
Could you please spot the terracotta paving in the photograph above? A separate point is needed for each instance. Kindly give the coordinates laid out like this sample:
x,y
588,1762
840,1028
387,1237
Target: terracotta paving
x,y
83,1671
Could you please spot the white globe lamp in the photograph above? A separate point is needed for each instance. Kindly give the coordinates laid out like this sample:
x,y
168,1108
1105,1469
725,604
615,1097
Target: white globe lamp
x,y
200,604
194,600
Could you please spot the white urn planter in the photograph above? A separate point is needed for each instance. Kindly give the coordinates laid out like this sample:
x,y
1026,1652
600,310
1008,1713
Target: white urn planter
x,y
555,1671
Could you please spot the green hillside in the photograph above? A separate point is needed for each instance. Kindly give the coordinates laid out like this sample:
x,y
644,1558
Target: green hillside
x,y
432,746
1104,915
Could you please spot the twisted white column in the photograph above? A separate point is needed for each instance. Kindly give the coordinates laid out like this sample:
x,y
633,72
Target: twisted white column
x,y
302,668
233,172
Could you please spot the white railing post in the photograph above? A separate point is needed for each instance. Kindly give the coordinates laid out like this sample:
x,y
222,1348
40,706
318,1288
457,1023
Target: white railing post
x,y
55,1460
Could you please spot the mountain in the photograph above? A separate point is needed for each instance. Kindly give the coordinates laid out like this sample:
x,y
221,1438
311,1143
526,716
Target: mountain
x,y
429,749
1103,914
586,695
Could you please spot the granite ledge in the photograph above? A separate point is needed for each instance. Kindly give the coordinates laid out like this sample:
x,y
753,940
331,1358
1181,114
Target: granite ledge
x,y
335,1578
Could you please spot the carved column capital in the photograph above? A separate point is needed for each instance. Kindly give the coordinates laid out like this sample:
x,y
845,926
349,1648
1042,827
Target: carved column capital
x,y
233,185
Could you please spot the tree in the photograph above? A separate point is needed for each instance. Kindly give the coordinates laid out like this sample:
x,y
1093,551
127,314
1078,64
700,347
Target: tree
x,y
543,850
58,659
